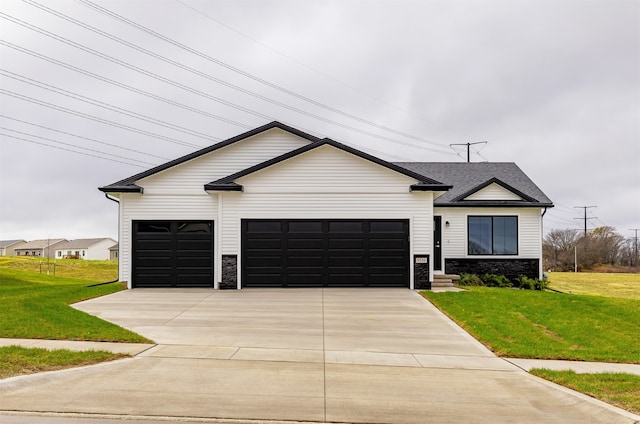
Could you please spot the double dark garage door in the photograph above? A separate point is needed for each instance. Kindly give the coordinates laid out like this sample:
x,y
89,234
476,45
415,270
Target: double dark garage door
x,y
276,253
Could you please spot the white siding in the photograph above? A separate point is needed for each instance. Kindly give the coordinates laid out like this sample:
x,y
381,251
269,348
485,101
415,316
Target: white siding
x,y
190,177
493,192
326,170
454,237
100,250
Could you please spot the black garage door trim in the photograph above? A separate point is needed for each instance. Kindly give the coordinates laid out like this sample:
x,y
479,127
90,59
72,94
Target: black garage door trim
x,y
172,253
325,253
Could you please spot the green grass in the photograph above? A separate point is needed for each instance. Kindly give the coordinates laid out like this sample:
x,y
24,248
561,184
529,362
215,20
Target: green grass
x,y
547,325
597,284
96,271
36,306
622,390
15,360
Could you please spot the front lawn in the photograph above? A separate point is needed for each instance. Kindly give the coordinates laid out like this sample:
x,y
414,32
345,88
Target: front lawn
x,y
36,306
621,390
546,325
16,360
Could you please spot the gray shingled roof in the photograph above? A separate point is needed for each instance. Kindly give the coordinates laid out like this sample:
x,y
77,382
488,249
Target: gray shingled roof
x,y
80,243
7,243
39,244
466,177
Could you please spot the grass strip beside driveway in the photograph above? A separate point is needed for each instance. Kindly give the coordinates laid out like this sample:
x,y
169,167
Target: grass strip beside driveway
x,y
36,306
546,325
15,360
619,389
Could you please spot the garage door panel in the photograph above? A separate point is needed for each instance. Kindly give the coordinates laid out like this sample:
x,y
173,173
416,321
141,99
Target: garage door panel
x,y
346,261
264,260
267,243
386,244
305,261
305,243
346,244
172,254
387,261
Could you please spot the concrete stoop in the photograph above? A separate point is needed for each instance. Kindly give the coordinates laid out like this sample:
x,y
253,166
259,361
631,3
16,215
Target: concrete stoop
x,y
445,280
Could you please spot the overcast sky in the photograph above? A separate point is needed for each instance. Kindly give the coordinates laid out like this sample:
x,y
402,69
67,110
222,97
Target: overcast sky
x,y
95,91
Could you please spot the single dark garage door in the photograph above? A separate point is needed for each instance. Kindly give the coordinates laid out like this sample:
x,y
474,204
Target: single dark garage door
x,y
172,254
325,253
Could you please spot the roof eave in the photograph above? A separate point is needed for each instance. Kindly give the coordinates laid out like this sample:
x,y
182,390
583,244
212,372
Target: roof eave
x,y
223,187
122,189
492,204
429,187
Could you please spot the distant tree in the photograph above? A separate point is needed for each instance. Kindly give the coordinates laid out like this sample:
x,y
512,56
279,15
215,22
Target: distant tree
x,y
557,248
601,246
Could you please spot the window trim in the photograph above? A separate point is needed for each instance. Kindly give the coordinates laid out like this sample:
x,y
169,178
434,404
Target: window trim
x,y
492,216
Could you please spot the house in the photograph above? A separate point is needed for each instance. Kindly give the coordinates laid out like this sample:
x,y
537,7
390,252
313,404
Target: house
x,y
7,247
276,207
92,249
43,248
113,252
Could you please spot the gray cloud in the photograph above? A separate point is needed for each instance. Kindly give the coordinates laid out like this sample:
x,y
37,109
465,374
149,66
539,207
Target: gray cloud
x,y
553,86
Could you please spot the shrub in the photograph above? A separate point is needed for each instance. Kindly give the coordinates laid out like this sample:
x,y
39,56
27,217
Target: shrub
x,y
541,284
493,280
470,280
527,283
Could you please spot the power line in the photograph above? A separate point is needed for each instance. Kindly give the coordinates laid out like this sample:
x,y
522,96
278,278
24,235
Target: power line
x,y
130,66
383,102
69,150
95,118
188,88
269,84
108,106
233,86
76,146
84,138
121,85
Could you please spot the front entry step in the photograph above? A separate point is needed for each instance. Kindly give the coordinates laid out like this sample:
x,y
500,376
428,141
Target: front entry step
x,y
445,280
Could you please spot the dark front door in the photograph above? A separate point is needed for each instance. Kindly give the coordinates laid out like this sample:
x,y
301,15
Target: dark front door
x,y
437,243
172,254
325,253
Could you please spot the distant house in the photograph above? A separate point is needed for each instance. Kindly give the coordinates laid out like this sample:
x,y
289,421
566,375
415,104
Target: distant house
x,y
8,247
44,248
94,248
113,252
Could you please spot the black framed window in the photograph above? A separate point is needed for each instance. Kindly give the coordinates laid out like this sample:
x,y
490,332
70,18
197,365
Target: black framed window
x,y
492,235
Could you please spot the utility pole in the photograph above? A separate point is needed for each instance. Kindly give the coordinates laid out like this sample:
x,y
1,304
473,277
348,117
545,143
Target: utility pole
x,y
585,216
635,246
468,147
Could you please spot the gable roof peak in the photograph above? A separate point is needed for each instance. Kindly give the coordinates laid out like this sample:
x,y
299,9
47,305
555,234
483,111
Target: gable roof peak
x,y
128,185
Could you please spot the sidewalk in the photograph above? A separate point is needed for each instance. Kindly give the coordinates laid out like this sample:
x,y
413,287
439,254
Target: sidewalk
x,y
135,349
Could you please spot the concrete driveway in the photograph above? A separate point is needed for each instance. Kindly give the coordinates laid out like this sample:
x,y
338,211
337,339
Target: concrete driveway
x,y
307,355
